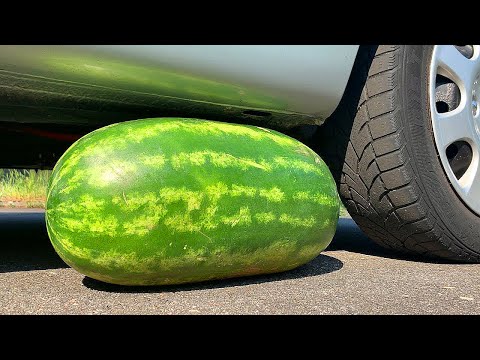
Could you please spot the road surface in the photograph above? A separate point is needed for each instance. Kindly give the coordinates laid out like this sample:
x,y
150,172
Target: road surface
x,y
353,276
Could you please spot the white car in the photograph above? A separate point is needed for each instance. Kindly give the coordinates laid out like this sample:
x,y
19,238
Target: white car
x,y
398,125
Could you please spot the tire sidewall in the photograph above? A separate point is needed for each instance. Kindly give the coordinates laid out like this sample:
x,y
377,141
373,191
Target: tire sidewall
x,y
457,221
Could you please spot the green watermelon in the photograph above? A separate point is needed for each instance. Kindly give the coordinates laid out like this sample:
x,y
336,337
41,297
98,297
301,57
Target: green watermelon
x,y
169,201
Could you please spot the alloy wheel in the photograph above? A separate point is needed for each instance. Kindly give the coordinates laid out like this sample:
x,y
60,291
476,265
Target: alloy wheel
x,y
454,92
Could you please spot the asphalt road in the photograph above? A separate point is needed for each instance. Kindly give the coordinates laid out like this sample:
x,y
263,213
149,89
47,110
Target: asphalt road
x,y
353,276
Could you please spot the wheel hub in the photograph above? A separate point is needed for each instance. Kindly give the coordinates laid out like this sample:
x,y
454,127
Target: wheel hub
x,y
456,127
475,105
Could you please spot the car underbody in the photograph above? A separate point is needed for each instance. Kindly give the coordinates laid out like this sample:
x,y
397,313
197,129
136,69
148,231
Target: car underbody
x,y
398,125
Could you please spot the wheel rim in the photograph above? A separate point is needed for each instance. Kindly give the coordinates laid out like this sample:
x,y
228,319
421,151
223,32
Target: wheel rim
x,y
454,89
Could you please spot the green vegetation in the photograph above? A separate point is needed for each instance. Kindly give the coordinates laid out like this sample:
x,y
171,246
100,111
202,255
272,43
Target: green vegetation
x,y
343,211
23,188
20,188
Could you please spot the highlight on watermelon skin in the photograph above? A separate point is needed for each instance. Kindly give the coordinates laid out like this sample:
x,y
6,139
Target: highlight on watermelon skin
x,y
170,200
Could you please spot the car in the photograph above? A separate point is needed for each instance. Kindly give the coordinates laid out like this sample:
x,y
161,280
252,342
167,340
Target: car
x,y
398,125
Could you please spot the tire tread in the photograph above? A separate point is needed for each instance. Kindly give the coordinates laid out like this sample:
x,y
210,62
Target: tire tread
x,y
375,178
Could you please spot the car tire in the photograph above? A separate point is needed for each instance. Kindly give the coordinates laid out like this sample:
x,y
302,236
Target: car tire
x,y
380,146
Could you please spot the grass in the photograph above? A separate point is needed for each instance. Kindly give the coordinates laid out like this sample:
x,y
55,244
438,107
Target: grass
x,y
23,188
343,211
28,188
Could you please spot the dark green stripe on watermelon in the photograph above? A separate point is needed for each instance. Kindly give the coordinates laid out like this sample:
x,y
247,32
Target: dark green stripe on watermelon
x,y
168,201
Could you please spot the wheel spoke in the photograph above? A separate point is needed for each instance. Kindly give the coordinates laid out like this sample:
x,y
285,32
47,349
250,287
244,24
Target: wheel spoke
x,y
454,126
459,124
476,52
470,181
455,65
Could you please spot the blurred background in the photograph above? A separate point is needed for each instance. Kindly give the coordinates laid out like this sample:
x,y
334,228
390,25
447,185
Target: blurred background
x,y
23,188
27,188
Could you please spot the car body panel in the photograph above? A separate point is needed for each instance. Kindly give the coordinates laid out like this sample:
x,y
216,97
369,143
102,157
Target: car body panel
x,y
287,85
307,79
51,95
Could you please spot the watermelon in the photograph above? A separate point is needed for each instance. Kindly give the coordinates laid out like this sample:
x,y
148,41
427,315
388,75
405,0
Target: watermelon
x,y
171,200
